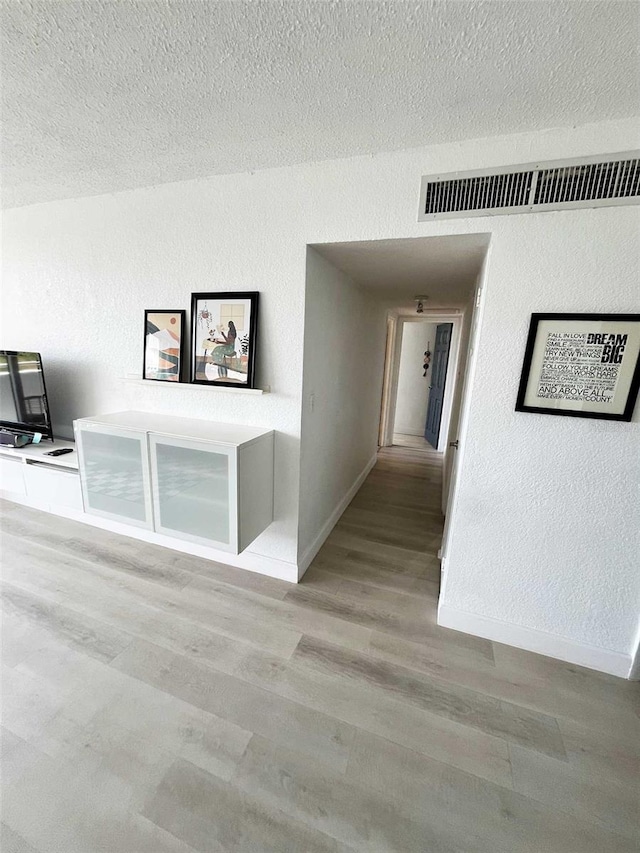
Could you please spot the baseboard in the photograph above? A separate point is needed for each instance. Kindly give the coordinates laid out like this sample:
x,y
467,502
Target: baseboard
x,y
398,431
305,561
248,560
592,657
634,672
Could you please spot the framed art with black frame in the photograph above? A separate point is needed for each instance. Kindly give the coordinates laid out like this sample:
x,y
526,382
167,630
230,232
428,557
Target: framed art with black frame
x,y
582,366
223,338
164,345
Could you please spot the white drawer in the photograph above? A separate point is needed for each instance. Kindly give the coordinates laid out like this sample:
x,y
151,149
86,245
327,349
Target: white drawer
x,y
55,486
12,476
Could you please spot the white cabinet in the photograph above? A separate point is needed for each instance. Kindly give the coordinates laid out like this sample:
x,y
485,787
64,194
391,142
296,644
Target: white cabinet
x,y
12,475
28,475
208,483
114,472
194,489
53,485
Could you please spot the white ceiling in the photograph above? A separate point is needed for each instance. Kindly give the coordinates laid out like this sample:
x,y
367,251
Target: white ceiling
x,y
444,269
103,95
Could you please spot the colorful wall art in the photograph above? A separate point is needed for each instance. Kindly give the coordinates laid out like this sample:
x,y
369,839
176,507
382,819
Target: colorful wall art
x,y
223,338
163,345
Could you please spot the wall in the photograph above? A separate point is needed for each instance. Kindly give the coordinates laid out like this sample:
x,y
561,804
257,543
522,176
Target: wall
x,y
345,330
544,537
546,520
413,388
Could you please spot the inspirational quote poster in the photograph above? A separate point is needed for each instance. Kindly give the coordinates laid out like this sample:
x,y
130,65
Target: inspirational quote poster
x,y
583,365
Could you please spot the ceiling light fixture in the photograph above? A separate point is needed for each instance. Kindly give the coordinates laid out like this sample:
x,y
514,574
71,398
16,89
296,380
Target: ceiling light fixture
x,y
420,300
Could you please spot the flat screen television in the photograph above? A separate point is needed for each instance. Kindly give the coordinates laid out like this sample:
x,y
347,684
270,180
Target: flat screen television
x,y
23,397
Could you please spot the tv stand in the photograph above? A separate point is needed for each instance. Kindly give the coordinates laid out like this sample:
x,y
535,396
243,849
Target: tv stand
x,y
29,476
202,488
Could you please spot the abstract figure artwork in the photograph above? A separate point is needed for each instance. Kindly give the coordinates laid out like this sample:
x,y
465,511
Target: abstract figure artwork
x,y
163,345
223,336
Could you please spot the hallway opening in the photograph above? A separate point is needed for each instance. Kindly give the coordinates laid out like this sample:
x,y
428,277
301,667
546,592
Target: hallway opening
x,y
383,552
377,461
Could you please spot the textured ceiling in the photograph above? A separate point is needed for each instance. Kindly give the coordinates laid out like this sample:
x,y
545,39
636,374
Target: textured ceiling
x,y
102,95
445,269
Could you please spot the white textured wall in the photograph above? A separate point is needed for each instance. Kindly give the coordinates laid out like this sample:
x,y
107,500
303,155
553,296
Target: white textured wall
x,y
413,388
345,332
551,501
544,534
77,276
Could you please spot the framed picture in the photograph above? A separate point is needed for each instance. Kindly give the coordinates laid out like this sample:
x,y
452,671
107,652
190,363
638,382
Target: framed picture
x,y
581,365
164,334
223,338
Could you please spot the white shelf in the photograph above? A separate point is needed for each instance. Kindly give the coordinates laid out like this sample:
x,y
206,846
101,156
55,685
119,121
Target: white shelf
x,y
137,380
37,453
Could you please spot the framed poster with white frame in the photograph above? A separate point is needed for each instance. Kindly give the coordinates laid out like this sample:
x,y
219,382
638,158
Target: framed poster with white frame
x,y
223,338
582,366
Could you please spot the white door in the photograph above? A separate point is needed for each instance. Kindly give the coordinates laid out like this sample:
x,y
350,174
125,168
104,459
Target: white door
x,y
114,473
195,490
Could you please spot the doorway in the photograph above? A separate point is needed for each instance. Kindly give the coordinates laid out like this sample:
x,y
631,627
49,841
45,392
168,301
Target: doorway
x,y
360,304
413,411
413,385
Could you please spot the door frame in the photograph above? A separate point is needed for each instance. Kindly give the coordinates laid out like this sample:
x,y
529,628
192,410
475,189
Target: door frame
x,y
463,423
392,370
385,430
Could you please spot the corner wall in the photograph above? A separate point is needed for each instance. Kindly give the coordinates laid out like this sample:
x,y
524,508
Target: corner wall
x,y
545,528
344,343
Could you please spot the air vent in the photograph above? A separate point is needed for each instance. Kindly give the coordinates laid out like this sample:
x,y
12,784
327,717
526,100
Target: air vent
x,y
561,185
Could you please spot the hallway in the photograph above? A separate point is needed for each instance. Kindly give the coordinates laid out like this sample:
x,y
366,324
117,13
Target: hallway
x,y
158,703
388,537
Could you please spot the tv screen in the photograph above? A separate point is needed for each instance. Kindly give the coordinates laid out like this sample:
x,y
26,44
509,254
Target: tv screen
x,y
23,397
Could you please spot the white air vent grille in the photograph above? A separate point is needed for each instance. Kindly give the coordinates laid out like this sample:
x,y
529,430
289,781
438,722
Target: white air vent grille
x,y
590,182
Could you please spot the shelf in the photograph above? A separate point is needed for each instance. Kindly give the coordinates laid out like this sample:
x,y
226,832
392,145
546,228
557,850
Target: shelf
x,y
36,454
136,380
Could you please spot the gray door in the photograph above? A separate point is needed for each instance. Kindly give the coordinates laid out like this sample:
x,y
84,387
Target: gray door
x,y
438,378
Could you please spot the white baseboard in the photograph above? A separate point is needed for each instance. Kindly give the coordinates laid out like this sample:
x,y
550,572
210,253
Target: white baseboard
x,y
305,561
634,672
249,560
592,657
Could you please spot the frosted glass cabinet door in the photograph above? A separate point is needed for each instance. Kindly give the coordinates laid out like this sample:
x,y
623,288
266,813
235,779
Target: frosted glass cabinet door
x,y
114,473
195,490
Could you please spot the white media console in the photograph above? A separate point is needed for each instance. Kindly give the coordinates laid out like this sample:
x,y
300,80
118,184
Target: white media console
x,y
191,485
28,476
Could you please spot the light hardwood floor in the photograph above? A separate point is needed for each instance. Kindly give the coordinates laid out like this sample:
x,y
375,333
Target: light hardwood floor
x,y
158,703
417,442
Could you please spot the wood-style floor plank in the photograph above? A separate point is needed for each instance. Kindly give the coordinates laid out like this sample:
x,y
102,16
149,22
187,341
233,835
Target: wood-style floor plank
x,y
501,719
317,735
213,816
155,702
